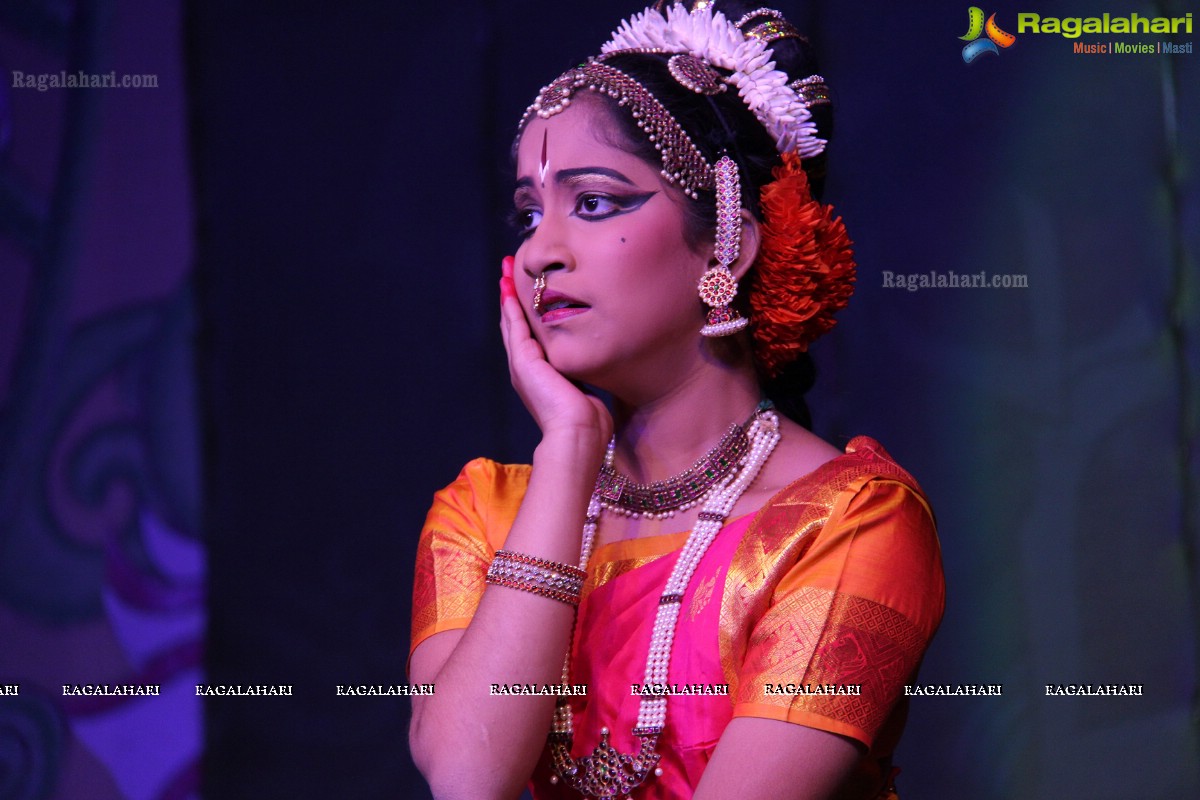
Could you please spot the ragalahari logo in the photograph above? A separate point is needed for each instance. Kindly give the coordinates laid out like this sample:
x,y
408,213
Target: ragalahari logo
x,y
976,28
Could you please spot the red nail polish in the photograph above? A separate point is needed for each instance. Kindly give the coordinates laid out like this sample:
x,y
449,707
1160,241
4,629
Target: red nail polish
x,y
507,288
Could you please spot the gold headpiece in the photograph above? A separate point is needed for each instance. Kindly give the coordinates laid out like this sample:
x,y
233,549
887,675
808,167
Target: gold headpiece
x,y
698,40
683,163
812,91
776,27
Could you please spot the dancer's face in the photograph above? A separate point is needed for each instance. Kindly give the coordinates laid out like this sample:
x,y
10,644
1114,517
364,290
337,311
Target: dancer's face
x,y
608,232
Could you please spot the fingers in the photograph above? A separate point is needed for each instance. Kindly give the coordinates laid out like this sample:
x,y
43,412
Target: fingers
x,y
514,327
508,287
511,313
508,292
508,302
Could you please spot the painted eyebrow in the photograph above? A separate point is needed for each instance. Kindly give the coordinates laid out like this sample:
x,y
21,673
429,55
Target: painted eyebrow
x,y
568,177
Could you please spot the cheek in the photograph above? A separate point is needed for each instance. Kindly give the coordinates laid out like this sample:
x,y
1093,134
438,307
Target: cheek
x,y
524,287
654,235
667,276
520,276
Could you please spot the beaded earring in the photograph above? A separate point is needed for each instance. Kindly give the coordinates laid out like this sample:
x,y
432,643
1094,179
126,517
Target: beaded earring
x,y
718,287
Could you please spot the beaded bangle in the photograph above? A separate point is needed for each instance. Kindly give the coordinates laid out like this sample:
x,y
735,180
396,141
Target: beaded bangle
x,y
560,582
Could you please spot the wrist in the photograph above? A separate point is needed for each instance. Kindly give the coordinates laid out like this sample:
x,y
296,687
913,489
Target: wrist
x,y
572,449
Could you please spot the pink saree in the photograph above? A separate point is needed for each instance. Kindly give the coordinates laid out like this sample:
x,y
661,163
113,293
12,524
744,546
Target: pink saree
x,y
615,617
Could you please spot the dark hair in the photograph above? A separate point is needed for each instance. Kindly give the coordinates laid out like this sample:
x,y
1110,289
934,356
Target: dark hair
x,y
718,124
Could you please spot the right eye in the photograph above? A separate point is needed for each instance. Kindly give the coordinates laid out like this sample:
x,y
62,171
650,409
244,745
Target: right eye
x,y
526,220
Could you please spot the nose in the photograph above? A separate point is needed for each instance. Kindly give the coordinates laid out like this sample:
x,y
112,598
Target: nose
x,y
548,247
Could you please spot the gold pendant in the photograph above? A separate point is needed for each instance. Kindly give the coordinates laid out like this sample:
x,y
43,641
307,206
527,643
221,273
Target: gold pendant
x,y
607,772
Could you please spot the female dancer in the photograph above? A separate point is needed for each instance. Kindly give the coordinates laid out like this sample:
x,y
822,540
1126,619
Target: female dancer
x,y
690,594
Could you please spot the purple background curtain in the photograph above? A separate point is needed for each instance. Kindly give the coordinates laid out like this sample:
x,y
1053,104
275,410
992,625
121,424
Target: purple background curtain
x,y
101,544
248,327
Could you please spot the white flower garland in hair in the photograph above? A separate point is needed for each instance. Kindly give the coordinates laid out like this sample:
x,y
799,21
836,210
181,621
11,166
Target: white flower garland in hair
x,y
709,35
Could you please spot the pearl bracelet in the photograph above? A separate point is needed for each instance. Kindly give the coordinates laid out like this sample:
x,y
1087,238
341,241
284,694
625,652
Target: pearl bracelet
x,y
560,582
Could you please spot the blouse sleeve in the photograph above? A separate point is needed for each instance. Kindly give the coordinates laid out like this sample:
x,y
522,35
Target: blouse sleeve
x,y
467,523
848,622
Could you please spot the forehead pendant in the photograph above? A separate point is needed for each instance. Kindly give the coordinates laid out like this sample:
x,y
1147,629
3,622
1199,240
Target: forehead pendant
x,y
683,164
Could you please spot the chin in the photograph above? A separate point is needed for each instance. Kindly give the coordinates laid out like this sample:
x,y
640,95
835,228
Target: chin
x,y
576,369
583,367
616,370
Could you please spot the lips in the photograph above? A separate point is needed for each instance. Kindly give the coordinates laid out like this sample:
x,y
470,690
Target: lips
x,y
556,305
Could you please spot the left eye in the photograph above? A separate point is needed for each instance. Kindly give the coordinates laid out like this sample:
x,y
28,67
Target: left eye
x,y
595,205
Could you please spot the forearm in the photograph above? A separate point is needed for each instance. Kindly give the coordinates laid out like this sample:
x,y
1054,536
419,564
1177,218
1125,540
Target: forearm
x,y
783,761
467,741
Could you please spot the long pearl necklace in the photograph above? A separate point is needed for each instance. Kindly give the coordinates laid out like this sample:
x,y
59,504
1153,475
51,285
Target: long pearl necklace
x,y
607,772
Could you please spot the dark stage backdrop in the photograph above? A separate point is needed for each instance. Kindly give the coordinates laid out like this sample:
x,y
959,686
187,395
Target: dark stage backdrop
x,y
341,225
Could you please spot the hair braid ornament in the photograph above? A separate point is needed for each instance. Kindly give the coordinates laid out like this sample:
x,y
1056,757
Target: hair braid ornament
x,y
804,272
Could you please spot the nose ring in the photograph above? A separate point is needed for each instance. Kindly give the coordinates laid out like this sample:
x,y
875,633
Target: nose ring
x,y
539,286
